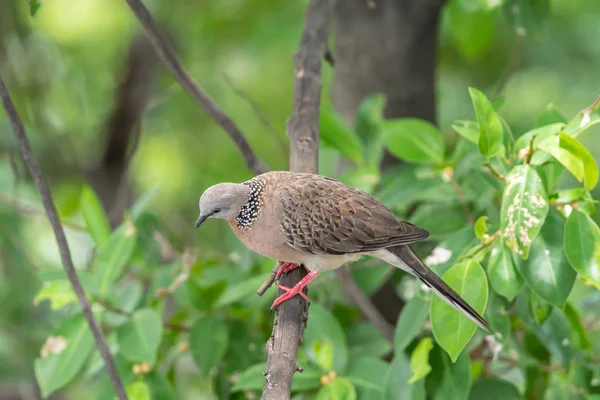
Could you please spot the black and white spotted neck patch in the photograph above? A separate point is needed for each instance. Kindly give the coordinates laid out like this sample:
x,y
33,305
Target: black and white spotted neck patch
x,y
251,210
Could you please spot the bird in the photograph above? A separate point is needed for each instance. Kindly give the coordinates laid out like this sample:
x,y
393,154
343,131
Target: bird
x,y
320,223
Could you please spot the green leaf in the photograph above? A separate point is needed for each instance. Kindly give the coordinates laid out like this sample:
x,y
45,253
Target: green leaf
x,y
396,384
160,387
238,291
414,140
324,327
369,126
63,355
209,339
335,133
481,227
364,339
323,352
550,115
365,178
467,129
540,310
59,293
490,126
502,272
497,316
310,379
368,376
579,336
113,256
337,389
554,334
524,209
494,389
541,133
419,360
472,30
447,380
590,168
34,6
140,336
252,378
451,329
94,216
547,271
137,391
411,319
582,246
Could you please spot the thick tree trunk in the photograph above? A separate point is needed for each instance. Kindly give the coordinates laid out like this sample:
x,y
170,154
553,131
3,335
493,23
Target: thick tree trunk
x,y
387,47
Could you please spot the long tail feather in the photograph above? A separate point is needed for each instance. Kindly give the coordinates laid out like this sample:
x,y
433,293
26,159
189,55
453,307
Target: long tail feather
x,y
415,266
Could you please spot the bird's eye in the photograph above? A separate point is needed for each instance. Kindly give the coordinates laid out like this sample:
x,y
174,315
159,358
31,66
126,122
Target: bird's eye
x,y
217,210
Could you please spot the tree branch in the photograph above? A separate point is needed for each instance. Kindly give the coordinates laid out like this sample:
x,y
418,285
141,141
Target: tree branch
x,y
365,304
168,57
303,130
61,239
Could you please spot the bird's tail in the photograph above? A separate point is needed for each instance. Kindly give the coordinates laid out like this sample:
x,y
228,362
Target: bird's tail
x,y
415,266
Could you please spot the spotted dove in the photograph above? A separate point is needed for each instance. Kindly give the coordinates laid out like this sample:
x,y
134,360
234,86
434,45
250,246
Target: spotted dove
x,y
321,223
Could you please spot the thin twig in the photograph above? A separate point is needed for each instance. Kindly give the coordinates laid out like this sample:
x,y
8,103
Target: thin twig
x,y
463,201
493,171
303,130
168,57
364,303
530,150
269,281
65,254
263,120
18,206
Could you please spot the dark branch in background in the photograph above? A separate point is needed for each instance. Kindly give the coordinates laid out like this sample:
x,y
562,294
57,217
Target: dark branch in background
x,y
386,47
110,178
168,57
61,239
303,130
364,303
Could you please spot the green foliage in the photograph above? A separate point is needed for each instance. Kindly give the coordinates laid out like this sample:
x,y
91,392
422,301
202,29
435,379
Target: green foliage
x,y
507,195
140,336
452,329
414,140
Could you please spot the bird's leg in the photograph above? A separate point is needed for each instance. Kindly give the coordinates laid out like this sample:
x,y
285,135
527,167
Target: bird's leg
x,y
297,289
285,268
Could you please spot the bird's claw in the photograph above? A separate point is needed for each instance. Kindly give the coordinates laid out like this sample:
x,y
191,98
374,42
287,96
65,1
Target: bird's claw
x,y
289,293
285,268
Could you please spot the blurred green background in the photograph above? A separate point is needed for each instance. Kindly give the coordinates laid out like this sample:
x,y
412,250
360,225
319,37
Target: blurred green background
x,y
64,67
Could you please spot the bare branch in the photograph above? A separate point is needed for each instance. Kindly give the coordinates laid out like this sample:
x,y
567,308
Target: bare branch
x,y
364,303
65,255
269,281
280,141
303,130
168,57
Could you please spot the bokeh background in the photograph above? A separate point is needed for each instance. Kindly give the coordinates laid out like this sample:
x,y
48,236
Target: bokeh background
x,y
66,68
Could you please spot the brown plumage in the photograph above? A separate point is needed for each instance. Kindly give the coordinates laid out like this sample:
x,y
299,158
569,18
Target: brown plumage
x,y
321,223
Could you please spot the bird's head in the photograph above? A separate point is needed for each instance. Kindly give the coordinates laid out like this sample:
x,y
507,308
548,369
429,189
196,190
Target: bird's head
x,y
223,200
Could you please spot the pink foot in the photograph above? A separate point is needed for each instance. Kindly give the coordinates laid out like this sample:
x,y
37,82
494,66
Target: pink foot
x,y
285,268
297,289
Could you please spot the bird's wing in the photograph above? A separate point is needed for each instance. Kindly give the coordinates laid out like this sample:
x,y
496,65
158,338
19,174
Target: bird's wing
x,y
323,216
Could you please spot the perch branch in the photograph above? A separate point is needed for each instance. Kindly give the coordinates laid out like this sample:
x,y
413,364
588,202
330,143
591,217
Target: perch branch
x,y
303,130
170,60
65,255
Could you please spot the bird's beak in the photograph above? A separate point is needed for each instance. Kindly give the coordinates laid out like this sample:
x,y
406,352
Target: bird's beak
x,y
201,219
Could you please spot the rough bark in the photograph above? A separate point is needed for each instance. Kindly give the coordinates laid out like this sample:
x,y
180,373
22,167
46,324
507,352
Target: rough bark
x,y
303,130
386,47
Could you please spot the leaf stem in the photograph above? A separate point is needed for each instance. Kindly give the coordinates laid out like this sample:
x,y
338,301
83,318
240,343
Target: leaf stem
x,y
494,172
